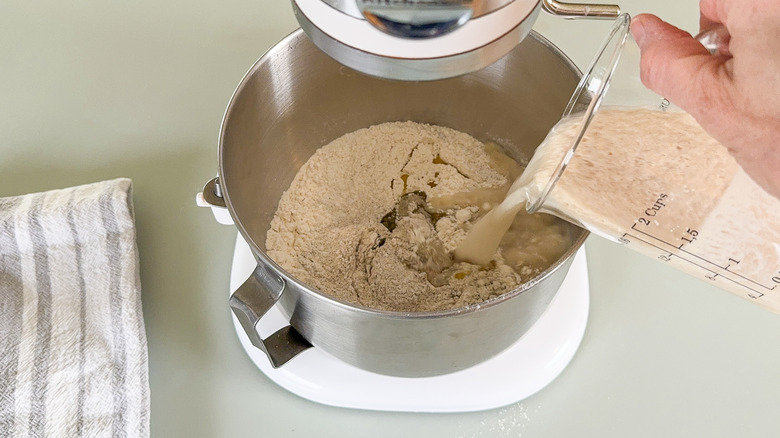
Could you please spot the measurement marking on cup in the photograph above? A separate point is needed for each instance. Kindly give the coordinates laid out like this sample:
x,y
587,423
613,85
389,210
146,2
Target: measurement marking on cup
x,y
633,227
736,262
713,274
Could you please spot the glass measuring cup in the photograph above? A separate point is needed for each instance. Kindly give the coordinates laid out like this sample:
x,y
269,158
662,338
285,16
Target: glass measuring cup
x,y
627,165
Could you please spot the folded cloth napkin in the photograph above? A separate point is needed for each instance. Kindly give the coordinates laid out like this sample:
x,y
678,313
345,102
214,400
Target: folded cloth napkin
x,y
73,358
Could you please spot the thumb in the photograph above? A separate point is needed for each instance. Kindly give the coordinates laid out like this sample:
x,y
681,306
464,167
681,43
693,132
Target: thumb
x,y
679,68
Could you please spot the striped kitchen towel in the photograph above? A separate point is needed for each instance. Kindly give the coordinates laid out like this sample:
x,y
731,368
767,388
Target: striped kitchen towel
x,y
73,359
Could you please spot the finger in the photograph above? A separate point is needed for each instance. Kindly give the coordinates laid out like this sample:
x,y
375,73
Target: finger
x,y
706,22
714,11
678,67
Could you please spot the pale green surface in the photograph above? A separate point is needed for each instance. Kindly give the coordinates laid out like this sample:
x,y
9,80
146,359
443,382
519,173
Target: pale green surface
x,y
92,90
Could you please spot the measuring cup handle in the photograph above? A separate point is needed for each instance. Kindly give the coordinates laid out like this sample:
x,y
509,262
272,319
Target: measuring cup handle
x,y
716,39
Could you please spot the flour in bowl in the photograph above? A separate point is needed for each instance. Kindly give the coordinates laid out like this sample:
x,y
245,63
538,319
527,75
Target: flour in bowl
x,y
373,217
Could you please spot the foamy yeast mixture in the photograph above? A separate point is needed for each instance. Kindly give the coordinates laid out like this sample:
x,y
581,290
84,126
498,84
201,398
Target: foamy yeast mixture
x,y
656,181
373,217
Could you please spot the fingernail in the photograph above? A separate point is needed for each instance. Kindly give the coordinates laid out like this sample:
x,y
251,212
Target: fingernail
x,y
638,30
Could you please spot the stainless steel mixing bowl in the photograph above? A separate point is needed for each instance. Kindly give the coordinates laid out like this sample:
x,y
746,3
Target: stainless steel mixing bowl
x,y
296,99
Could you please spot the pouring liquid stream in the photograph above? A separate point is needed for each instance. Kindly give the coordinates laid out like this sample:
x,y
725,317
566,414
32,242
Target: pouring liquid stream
x,y
657,183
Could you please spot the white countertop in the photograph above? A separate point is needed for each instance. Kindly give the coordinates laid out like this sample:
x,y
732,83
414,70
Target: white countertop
x,y
93,90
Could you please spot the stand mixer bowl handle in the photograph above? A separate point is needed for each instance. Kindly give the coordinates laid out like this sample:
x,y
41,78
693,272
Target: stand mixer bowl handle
x,y
579,10
250,302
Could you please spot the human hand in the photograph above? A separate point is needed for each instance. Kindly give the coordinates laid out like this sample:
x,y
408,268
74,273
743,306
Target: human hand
x,y
735,97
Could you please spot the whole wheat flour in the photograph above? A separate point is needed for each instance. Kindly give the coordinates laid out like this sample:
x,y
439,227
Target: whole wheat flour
x,y
373,217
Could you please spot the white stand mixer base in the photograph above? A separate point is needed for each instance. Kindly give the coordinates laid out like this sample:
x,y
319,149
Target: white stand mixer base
x,y
526,367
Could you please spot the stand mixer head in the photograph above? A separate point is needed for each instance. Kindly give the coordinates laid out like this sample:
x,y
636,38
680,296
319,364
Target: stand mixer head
x,y
419,40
